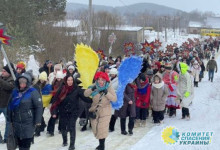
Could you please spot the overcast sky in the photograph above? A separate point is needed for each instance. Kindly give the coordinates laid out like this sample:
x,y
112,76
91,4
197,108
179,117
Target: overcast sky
x,y
185,5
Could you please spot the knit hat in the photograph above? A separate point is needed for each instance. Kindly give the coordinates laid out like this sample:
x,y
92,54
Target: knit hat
x,y
150,72
6,68
142,77
168,66
71,67
48,61
69,63
101,75
43,76
21,65
59,75
106,67
27,75
113,71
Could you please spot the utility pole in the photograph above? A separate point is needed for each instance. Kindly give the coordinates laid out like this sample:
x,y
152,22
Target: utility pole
x,y
89,38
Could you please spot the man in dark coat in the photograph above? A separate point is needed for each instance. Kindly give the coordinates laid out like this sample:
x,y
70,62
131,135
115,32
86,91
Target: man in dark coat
x,y
6,87
25,110
48,67
211,67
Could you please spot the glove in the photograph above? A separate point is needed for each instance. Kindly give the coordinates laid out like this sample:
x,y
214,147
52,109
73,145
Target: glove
x,y
176,78
186,94
37,125
93,88
104,91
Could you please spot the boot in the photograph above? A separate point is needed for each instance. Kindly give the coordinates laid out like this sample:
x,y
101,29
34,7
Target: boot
x,y
130,132
112,124
143,123
64,136
137,123
123,126
21,148
84,128
71,148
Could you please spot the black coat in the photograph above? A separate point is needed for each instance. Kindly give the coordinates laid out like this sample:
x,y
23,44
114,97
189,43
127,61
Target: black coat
x,y
68,109
46,69
26,115
128,109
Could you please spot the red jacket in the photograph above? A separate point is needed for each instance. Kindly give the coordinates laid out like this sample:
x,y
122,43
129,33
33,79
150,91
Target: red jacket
x,y
143,96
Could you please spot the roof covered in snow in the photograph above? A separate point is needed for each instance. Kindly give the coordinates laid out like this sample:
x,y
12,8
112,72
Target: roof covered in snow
x,y
122,28
195,24
213,22
67,23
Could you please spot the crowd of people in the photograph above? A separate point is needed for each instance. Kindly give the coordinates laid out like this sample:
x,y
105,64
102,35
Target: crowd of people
x,y
165,83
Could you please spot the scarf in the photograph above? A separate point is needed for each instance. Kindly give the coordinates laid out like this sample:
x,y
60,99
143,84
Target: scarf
x,y
99,89
143,90
159,85
65,90
18,96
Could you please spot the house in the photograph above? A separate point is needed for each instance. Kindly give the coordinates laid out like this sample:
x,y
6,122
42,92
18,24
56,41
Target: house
x,y
212,23
75,25
133,34
195,27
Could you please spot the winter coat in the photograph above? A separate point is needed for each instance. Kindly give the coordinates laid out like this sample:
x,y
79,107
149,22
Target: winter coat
x,y
46,69
27,114
128,109
158,96
69,108
211,65
6,87
142,96
100,125
185,84
114,83
196,71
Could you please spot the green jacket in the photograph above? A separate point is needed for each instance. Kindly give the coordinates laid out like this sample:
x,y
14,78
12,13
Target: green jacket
x,y
212,65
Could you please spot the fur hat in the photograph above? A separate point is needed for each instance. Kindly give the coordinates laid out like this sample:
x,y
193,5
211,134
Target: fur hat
x,y
71,67
113,71
43,76
101,75
59,75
